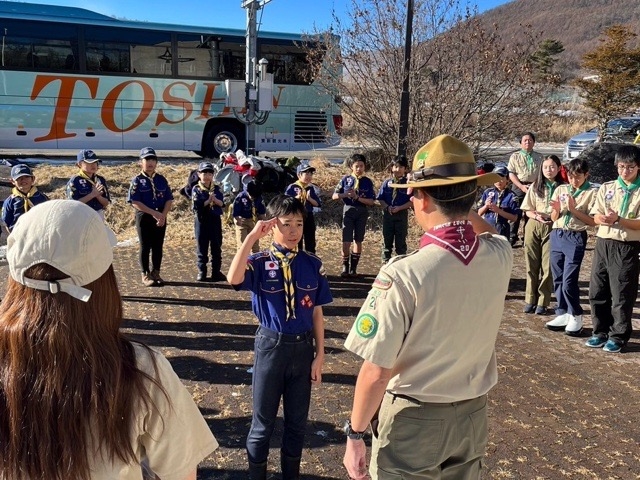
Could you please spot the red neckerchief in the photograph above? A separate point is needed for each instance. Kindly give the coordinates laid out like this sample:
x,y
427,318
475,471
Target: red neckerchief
x,y
458,237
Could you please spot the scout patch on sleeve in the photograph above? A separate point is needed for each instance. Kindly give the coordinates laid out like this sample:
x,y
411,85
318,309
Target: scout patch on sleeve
x,y
383,281
366,325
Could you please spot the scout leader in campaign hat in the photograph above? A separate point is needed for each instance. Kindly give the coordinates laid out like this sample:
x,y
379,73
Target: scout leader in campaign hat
x,y
444,160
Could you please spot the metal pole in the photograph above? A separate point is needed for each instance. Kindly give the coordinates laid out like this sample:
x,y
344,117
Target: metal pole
x,y
404,96
250,74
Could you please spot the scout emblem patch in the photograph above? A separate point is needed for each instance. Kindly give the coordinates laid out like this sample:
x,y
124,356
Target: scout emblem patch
x,y
366,325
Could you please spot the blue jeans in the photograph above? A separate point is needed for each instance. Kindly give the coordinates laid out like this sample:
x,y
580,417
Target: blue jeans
x,y
281,368
567,252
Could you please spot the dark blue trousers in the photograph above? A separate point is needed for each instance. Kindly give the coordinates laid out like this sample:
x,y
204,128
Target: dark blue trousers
x,y
394,231
281,369
209,238
567,252
308,234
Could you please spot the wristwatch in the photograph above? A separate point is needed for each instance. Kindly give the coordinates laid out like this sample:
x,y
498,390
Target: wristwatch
x,y
350,433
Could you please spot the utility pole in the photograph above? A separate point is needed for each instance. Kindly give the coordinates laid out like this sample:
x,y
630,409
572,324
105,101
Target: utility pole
x,y
404,97
253,115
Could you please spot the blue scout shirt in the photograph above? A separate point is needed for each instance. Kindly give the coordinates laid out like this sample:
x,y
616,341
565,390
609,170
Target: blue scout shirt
x,y
364,189
199,195
386,193
265,281
506,200
243,206
14,206
151,192
293,190
80,186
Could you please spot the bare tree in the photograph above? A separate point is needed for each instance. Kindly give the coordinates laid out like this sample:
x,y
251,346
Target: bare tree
x,y
465,80
615,87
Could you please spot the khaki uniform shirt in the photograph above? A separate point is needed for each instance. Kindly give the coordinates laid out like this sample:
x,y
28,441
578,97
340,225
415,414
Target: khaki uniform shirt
x,y
518,165
174,438
610,196
584,203
534,203
434,321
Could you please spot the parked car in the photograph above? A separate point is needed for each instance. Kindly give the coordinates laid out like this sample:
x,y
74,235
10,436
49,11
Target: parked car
x,y
621,130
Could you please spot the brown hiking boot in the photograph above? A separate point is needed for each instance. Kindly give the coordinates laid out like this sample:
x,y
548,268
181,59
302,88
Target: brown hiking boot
x,y
147,281
155,275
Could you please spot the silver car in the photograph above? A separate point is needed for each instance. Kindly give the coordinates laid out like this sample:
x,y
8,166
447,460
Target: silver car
x,y
622,130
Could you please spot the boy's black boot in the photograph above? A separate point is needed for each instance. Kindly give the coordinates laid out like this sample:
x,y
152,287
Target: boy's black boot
x,y
290,467
345,267
355,259
257,471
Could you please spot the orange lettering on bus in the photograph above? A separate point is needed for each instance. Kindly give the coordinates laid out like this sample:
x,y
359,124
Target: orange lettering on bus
x,y
208,100
107,112
276,101
169,99
63,102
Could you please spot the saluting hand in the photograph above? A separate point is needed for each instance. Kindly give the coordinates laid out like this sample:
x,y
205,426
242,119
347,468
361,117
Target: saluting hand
x,y
263,228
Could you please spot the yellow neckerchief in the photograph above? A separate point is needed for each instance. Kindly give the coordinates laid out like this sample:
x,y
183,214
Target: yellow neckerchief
x,y
88,178
575,193
26,197
153,185
284,260
356,184
303,191
208,190
394,192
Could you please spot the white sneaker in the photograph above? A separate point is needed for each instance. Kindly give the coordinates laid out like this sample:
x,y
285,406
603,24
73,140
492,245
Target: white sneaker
x,y
558,323
574,326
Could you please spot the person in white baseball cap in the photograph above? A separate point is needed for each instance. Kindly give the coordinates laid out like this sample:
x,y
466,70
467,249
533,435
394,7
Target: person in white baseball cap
x,y
77,398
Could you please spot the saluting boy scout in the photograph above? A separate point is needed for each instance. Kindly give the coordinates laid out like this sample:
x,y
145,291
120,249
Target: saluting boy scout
x,y
427,331
613,288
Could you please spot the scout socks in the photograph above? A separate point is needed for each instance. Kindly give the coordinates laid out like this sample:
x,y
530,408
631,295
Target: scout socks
x,y
355,258
345,267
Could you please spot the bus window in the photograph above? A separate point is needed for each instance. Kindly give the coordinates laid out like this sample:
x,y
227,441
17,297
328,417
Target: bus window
x,y
211,56
37,46
128,51
288,63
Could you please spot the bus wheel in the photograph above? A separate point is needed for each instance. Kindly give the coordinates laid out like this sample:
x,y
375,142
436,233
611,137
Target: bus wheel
x,y
222,138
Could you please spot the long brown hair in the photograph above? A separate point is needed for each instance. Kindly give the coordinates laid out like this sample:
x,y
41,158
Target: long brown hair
x,y
69,384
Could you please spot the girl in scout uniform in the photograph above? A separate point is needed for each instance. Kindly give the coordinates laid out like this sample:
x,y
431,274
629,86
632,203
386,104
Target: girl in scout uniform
x,y
537,206
357,193
87,186
570,206
151,197
24,195
613,288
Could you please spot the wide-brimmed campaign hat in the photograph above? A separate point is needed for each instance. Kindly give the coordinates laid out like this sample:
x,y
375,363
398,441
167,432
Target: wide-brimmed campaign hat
x,y
444,160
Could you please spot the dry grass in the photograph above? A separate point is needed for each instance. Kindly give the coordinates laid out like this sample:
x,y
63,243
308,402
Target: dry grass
x,y
561,129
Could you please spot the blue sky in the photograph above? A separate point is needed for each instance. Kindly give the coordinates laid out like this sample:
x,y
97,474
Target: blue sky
x,y
295,16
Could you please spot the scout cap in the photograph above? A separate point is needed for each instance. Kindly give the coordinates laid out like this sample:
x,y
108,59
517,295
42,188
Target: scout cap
x,y
444,160
20,170
67,235
87,156
502,171
304,167
148,152
206,167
